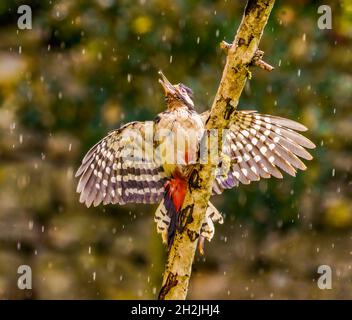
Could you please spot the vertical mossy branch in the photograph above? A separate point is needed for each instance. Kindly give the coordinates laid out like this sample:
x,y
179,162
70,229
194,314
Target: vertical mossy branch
x,y
240,55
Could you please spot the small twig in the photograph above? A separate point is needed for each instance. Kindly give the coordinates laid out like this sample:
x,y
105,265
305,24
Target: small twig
x,y
257,61
225,45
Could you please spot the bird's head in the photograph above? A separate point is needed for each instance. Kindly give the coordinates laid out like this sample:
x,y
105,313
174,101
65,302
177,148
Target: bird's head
x,y
176,95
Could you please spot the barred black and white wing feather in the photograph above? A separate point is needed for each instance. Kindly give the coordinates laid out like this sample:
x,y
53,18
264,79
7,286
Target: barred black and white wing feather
x,y
118,169
259,146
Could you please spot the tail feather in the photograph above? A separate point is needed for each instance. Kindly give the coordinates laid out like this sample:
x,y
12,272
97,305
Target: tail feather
x,y
162,221
165,218
212,215
172,214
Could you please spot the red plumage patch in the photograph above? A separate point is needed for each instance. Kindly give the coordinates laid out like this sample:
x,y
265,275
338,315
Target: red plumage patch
x,y
176,189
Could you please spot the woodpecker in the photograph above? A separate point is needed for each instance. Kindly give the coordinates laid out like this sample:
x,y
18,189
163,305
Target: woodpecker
x,y
255,146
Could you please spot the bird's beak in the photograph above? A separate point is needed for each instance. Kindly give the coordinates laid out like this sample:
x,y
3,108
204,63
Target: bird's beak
x,y
167,85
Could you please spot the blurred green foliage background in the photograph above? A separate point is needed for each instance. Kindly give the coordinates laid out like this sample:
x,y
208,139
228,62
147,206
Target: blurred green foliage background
x,y
89,66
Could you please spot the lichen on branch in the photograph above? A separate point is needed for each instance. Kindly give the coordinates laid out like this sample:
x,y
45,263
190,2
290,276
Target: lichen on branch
x,y
240,55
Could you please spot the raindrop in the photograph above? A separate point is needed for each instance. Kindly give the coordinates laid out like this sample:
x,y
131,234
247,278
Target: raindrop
x,y
333,172
129,78
20,49
170,59
94,275
89,250
299,72
198,40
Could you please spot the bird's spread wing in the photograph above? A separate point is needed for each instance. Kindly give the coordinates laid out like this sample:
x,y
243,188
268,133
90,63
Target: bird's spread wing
x,y
118,169
259,146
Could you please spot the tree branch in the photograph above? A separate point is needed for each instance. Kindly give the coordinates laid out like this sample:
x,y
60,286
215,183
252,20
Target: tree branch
x,y
240,56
